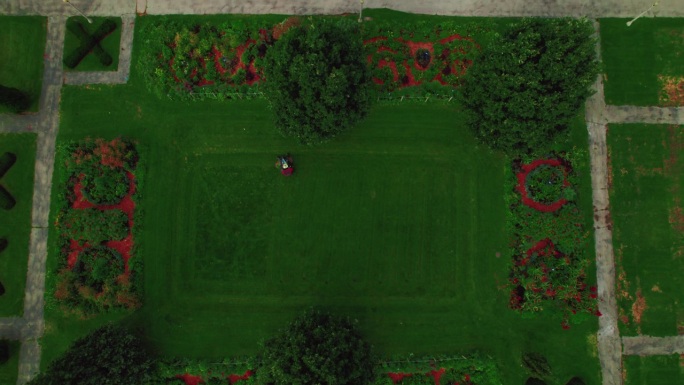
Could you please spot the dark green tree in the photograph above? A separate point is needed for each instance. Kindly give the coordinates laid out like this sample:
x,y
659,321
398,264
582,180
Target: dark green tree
x,y
317,80
4,351
317,348
525,87
111,355
16,100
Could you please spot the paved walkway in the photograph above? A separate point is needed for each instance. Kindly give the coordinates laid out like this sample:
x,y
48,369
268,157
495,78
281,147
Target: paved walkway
x,y
651,346
29,328
588,8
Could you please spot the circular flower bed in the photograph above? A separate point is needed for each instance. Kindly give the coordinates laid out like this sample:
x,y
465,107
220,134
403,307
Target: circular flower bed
x,y
98,267
542,184
104,185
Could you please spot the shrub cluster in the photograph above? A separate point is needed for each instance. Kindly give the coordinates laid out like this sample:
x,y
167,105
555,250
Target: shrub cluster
x,y
549,240
89,42
93,277
529,83
14,99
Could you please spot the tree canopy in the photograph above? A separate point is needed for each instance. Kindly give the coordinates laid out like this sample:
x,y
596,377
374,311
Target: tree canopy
x,y
317,348
111,355
525,87
317,80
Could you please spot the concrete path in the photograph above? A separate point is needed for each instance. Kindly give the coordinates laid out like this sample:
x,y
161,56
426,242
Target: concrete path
x,y
608,333
46,123
651,346
588,8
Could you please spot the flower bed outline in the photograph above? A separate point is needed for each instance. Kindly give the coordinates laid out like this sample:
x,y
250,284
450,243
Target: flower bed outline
x,y
76,296
521,187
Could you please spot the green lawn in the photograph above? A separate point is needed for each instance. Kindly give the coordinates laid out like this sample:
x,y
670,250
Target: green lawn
x,y
653,370
15,224
9,370
635,57
22,43
646,206
109,44
395,223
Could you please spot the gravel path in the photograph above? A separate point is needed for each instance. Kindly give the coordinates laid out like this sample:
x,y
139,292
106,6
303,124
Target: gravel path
x,y
29,328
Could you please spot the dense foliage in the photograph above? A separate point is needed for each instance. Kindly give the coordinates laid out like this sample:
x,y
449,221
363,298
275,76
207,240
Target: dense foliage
x,y
14,99
4,351
521,93
111,355
94,226
318,82
317,348
98,269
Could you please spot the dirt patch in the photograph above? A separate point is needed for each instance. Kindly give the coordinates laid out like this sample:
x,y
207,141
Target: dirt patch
x,y
672,90
676,217
656,289
638,308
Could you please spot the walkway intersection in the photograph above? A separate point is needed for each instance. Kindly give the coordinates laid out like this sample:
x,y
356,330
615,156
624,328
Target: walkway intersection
x,y
29,328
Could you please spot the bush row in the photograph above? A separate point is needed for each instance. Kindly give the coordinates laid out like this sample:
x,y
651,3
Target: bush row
x,y
14,99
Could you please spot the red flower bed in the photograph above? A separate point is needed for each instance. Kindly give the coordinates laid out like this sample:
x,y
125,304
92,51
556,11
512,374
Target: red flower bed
x,y
126,205
96,221
521,187
190,379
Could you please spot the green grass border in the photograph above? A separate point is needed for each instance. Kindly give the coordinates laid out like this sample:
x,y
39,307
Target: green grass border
x,y
22,46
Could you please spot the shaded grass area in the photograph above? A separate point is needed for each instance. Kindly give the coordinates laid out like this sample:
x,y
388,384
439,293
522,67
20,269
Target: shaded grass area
x,y
634,58
15,224
109,44
10,369
653,370
395,223
646,200
22,43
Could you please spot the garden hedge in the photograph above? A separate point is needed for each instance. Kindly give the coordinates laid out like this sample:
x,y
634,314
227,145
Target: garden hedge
x,y
89,43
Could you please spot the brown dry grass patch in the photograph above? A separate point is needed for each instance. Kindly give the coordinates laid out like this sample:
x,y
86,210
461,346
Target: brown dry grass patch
x,y
672,90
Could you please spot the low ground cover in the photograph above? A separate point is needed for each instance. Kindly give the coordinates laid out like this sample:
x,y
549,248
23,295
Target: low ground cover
x,y
646,205
17,157
396,223
22,43
653,370
97,225
92,47
642,63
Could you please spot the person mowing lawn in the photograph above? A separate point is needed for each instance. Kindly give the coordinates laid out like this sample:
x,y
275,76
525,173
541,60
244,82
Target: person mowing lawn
x,y
284,163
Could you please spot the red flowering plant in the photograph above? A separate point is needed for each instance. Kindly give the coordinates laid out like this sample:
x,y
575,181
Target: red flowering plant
x,y
548,242
96,225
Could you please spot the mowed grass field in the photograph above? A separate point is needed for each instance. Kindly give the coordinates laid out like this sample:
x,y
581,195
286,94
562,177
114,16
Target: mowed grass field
x,y
15,224
638,59
22,43
396,223
653,370
646,206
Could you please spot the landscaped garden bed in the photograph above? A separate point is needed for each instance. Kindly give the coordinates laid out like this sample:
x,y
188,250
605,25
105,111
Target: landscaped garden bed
x,y
97,224
549,265
17,158
92,46
223,61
